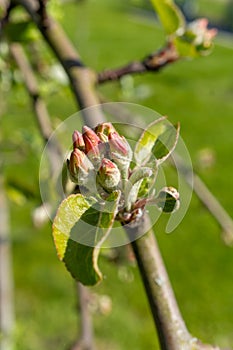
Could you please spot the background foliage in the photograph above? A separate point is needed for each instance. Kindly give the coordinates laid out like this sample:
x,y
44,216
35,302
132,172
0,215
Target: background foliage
x,y
199,95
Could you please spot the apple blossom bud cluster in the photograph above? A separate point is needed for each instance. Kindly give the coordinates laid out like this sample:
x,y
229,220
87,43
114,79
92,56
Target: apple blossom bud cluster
x,y
102,150
100,163
200,36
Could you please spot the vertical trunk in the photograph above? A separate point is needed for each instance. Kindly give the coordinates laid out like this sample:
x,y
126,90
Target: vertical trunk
x,y
171,328
6,278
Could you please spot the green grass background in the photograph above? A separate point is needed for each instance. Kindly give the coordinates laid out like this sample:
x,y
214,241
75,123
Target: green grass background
x,y
198,94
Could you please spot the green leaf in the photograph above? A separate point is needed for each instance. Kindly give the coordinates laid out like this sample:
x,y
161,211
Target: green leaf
x,y
167,200
69,212
166,143
143,148
80,227
170,15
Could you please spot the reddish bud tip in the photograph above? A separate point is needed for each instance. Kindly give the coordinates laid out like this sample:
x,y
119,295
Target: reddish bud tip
x,y
91,140
78,141
118,143
77,163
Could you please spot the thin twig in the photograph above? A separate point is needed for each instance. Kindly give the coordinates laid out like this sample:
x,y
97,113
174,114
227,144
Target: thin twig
x,y
4,5
82,79
209,200
152,63
85,341
42,12
39,107
5,8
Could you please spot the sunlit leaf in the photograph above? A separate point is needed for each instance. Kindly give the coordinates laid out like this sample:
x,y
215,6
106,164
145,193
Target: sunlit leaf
x,y
166,143
170,15
79,229
143,148
69,212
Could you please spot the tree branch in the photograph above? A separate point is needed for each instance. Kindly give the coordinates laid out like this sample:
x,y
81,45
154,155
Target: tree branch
x,y
6,278
209,200
172,331
85,341
152,63
159,291
40,109
82,79
5,9
42,12
4,6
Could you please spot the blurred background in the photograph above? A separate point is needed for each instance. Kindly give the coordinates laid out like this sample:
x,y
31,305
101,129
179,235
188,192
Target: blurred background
x,y
199,94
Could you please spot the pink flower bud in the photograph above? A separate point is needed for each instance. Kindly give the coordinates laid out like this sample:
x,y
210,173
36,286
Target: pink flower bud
x,y
77,165
118,144
120,152
108,174
203,35
92,142
78,141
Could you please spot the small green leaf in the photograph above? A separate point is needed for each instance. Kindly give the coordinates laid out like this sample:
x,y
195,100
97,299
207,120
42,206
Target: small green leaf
x,y
168,200
170,15
142,151
69,212
166,143
81,220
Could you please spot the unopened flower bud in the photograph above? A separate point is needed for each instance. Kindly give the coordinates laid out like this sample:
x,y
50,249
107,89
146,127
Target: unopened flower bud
x,y
108,174
78,141
90,138
118,144
92,142
203,35
77,165
121,152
